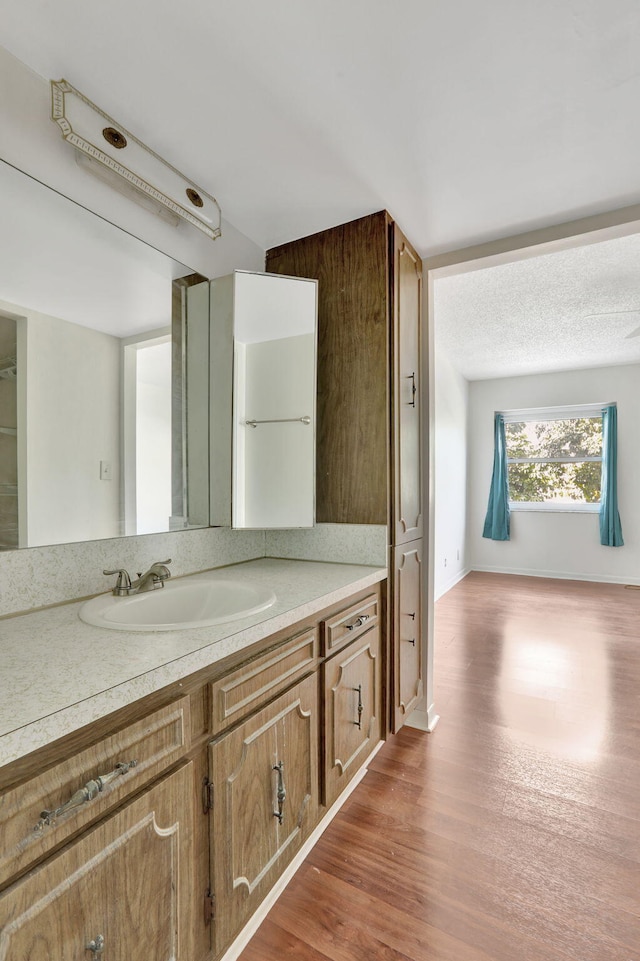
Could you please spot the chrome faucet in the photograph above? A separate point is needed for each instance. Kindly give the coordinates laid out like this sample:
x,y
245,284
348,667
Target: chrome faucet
x,y
155,577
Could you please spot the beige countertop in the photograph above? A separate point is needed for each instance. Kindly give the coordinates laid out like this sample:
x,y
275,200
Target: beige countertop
x,y
58,674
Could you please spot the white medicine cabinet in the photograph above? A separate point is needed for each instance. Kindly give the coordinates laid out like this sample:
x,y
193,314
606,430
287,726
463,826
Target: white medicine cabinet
x,y
263,372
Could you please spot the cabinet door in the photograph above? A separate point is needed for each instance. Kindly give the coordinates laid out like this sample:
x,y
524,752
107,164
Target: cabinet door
x,y
265,802
352,693
407,391
407,635
124,887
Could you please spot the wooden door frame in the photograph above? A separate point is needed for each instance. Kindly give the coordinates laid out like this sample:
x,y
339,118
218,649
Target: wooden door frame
x,y
574,233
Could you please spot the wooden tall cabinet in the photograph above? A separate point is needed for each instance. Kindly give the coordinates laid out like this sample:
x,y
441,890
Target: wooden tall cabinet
x,y
370,431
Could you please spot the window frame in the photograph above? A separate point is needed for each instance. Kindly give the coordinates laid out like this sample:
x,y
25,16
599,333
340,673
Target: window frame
x,y
541,414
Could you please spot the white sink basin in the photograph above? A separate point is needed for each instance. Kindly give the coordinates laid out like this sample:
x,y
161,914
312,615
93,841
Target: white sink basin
x,y
180,604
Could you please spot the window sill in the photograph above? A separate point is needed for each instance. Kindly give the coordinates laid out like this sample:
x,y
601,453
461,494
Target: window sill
x,y
554,508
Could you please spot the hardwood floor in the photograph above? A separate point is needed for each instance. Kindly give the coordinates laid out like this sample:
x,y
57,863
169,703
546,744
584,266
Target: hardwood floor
x,y
512,833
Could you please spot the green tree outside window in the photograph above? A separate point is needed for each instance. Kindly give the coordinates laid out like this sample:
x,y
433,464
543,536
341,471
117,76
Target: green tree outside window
x,y
556,460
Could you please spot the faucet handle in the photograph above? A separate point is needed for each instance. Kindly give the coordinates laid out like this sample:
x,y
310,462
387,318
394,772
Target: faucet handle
x,y
161,570
123,584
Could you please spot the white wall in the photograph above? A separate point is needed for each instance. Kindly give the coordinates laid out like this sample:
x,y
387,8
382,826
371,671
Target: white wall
x,y
557,544
451,415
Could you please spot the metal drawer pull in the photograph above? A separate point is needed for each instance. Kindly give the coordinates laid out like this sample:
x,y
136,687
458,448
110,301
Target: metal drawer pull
x,y
86,793
412,616
281,793
359,621
412,640
96,946
412,378
358,723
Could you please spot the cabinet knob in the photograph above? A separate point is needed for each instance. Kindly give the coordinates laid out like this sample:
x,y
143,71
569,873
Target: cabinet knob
x,y
96,946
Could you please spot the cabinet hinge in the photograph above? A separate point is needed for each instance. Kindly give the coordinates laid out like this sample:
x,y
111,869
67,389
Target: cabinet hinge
x,y
207,795
209,908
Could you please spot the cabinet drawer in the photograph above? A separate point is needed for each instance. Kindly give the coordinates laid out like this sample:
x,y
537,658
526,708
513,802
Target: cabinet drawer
x,y
252,685
31,823
349,624
351,715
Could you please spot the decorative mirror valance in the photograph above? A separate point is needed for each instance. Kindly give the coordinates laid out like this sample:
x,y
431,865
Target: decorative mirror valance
x,y
102,139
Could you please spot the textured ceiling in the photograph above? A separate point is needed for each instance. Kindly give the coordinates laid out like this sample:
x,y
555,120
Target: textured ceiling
x,y
560,311
467,120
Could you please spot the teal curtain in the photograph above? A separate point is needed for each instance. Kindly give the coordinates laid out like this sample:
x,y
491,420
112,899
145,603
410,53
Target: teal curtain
x,y
610,528
497,525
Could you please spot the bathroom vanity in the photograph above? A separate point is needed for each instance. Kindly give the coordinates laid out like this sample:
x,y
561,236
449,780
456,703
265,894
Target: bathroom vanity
x,y
156,787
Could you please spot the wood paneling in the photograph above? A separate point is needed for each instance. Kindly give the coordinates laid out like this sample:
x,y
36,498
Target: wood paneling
x,y
511,832
351,264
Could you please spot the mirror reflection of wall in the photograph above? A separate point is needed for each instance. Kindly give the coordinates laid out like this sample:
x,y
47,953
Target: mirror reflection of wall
x,y
76,290
8,434
69,379
147,433
274,393
153,433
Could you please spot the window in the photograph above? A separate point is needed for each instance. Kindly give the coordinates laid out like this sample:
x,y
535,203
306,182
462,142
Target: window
x,y
554,458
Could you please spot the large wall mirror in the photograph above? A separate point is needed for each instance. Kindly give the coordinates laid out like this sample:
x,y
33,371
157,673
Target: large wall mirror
x,y
103,377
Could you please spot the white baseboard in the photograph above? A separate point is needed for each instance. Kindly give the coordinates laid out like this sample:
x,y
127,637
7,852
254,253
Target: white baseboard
x,y
423,720
561,575
452,583
258,917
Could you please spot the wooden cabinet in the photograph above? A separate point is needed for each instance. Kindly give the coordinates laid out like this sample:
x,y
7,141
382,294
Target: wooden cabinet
x,y
408,662
264,776
351,711
107,852
371,429
122,891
